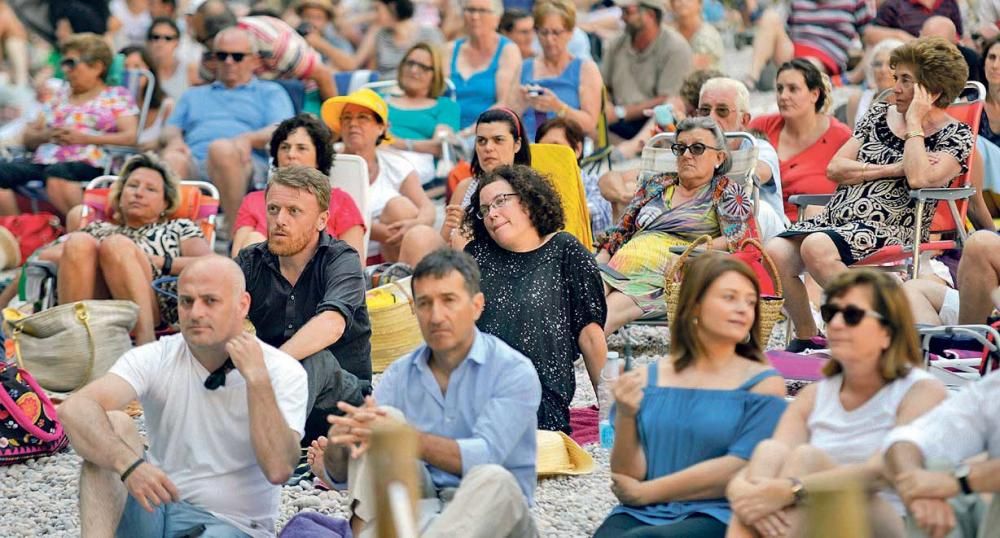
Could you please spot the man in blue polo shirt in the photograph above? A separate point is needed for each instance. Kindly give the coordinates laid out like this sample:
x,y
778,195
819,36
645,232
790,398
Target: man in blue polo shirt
x,y
474,400
219,131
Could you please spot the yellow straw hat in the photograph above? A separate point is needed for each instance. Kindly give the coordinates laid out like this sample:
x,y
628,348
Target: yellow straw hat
x,y
364,97
558,454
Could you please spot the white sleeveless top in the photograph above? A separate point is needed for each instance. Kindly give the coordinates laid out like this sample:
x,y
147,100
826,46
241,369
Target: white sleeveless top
x,y
853,436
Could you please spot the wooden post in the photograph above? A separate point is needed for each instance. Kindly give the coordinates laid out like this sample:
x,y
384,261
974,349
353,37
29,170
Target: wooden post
x,y
838,512
393,452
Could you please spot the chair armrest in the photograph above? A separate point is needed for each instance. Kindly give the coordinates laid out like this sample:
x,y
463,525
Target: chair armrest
x,y
120,150
803,200
945,193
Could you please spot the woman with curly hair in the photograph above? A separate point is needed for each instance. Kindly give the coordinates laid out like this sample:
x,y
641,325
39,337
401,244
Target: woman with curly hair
x,y
543,290
670,210
913,144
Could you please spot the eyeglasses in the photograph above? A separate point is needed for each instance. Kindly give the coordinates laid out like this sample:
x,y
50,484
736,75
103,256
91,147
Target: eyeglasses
x,y
218,378
696,149
498,203
68,64
722,111
222,56
472,11
852,314
162,37
360,118
546,32
413,64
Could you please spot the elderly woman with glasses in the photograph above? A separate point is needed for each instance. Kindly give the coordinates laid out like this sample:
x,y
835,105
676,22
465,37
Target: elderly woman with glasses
x,y
834,429
556,84
68,134
396,200
912,144
670,210
484,65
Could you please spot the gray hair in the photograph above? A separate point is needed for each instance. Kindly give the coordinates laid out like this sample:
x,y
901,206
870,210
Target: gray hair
x,y
708,124
254,50
729,84
887,46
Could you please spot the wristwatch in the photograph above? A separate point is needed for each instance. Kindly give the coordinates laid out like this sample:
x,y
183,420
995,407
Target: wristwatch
x,y
962,475
798,491
620,112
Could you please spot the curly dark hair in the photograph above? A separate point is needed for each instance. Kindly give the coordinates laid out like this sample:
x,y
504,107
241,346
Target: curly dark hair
x,y
320,134
535,192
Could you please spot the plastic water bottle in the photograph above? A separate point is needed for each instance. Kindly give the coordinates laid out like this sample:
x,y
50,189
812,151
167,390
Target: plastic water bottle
x,y
605,398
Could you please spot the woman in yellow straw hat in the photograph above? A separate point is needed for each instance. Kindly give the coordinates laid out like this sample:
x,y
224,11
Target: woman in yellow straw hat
x,y
701,411
396,199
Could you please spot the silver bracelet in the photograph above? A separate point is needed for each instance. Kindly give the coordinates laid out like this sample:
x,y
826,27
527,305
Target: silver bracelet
x,y
409,145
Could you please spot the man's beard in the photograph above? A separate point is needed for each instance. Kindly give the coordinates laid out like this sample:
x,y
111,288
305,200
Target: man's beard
x,y
290,246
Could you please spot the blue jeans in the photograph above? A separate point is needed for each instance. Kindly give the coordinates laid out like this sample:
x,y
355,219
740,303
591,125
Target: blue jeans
x,y
173,520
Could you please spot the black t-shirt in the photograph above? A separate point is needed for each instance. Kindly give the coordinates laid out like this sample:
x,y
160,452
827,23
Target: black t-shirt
x,y
538,302
332,280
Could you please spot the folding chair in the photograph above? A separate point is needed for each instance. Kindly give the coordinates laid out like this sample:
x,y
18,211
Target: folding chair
x,y
657,158
591,162
350,81
960,354
559,164
948,225
350,174
199,202
391,87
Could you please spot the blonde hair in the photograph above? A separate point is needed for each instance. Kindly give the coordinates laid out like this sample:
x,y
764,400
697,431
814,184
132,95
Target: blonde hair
x,y
564,9
437,81
171,185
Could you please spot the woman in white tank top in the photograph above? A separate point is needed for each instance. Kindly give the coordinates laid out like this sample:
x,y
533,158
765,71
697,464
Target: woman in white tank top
x,y
835,428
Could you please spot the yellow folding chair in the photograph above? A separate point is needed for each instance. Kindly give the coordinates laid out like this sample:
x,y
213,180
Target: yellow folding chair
x,y
559,164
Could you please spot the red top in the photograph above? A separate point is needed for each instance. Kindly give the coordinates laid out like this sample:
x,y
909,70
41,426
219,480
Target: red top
x,y
804,173
344,213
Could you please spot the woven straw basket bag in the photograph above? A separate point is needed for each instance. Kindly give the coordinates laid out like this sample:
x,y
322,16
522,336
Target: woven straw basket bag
x,y
770,306
395,331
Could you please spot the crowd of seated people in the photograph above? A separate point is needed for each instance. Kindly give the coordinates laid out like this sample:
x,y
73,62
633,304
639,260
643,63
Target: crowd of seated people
x,y
246,98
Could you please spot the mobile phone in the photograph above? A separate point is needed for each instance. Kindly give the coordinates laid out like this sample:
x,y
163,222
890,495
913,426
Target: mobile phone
x,y
534,90
615,274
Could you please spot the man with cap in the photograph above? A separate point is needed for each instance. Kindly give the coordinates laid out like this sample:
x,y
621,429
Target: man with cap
x,y
472,398
396,199
643,66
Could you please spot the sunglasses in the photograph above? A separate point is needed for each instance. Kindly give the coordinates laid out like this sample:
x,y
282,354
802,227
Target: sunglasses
x,y
218,378
68,64
237,56
852,314
696,149
413,64
163,37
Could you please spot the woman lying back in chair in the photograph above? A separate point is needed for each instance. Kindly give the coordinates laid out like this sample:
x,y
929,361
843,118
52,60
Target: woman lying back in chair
x,y
912,145
670,210
120,258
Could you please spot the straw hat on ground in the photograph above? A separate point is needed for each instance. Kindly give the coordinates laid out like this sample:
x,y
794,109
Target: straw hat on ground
x,y
558,454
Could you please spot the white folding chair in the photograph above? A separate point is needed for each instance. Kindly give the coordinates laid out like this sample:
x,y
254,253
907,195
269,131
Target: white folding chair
x,y
350,174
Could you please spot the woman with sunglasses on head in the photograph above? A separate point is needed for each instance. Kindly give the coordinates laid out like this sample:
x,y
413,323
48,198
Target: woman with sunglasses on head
x,y
67,136
671,210
912,144
686,424
160,105
542,287
422,116
833,431
173,73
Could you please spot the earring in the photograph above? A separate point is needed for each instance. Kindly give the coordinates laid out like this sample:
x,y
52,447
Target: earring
x,y
694,321
746,339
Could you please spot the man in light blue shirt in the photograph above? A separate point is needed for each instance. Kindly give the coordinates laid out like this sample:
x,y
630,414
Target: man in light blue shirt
x,y
220,131
474,400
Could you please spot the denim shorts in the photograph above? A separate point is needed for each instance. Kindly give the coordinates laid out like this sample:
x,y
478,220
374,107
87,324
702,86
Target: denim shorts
x,y
173,520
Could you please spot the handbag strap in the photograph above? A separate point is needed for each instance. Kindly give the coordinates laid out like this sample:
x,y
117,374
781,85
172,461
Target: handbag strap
x,y
22,420
674,274
768,263
402,290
